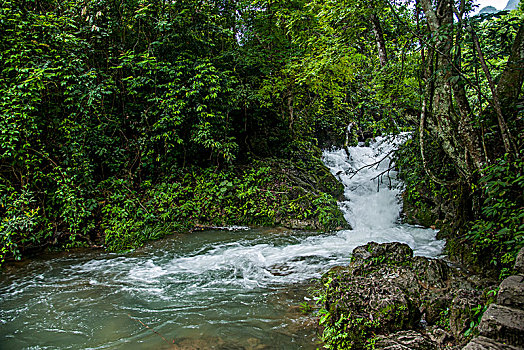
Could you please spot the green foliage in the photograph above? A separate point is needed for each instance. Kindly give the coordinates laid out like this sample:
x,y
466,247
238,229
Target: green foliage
x,y
249,195
477,313
19,224
498,235
101,101
443,320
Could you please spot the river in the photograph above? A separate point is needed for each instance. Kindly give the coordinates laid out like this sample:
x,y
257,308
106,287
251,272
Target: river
x,y
228,289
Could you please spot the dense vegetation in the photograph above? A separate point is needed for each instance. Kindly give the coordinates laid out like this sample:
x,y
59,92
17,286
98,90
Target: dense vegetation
x,y
124,120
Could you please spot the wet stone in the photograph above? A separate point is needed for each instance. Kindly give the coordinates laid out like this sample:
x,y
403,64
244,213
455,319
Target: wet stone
x,y
394,252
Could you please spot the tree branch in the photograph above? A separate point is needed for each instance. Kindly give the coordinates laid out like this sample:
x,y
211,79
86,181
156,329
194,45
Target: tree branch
x,y
505,133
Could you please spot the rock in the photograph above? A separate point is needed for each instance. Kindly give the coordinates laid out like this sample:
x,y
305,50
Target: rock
x,y
432,273
434,306
386,290
503,324
374,303
393,252
519,262
511,292
439,336
483,343
404,340
461,311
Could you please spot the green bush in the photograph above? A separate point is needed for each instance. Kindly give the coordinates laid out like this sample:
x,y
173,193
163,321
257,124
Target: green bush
x,y
19,223
498,235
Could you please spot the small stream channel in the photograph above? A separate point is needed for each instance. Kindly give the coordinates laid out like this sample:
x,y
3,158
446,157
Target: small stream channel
x,y
237,289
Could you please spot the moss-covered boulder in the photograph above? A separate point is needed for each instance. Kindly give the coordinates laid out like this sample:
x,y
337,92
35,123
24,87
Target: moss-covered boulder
x,y
386,290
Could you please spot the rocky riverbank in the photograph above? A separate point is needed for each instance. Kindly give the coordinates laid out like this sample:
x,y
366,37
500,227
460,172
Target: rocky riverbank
x,y
389,299
502,325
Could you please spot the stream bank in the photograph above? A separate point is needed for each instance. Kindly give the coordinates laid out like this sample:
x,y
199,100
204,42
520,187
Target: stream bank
x,y
386,298
295,194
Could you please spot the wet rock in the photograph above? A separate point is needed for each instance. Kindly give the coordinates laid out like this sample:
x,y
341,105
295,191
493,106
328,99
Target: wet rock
x,y
511,292
483,343
386,290
503,324
405,340
375,304
394,252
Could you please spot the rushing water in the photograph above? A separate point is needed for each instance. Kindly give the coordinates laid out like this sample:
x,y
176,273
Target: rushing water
x,y
206,290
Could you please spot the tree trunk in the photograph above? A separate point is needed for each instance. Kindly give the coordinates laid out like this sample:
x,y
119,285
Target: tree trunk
x,y
510,83
453,126
379,39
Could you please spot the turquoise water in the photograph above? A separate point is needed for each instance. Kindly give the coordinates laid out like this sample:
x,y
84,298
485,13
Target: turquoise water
x,y
205,290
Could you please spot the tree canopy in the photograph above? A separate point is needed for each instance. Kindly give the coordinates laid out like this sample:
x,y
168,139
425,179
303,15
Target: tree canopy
x,y
102,101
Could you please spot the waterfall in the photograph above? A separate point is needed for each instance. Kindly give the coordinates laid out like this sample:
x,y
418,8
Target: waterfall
x,y
371,189
372,202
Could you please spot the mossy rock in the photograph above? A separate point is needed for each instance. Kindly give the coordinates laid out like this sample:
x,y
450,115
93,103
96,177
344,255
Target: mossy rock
x,y
386,289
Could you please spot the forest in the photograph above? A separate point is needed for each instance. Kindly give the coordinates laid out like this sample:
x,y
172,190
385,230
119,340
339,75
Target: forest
x,y
125,120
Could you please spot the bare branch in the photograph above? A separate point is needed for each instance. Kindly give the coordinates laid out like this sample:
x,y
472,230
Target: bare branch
x,y
372,164
151,329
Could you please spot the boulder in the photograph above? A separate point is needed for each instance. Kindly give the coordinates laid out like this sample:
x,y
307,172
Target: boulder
x,y
511,292
432,273
462,311
483,343
519,262
503,324
404,340
394,252
386,291
369,305
439,336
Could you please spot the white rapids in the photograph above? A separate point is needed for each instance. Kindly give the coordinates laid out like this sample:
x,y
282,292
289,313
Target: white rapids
x,y
372,206
372,202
